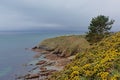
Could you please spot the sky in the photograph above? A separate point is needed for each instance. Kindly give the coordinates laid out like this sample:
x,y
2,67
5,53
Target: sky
x,y
55,14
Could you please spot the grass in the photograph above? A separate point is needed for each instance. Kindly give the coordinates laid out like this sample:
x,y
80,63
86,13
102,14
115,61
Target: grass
x,y
66,45
100,62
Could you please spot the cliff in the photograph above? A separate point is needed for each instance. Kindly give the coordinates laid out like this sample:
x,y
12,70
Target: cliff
x,y
100,62
64,46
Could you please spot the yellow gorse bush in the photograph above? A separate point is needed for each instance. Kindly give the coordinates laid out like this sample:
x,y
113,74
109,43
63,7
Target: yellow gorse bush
x,y
100,62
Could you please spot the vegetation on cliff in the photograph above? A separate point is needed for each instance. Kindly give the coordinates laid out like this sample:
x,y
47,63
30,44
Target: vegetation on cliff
x,y
99,28
100,62
65,46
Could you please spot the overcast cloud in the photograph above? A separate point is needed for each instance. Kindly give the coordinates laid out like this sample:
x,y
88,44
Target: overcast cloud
x,y
55,14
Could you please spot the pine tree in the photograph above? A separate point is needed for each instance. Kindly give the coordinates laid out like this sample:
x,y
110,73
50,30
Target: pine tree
x,y
99,27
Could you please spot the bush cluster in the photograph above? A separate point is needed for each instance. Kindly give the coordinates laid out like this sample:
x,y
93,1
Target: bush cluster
x,y
100,62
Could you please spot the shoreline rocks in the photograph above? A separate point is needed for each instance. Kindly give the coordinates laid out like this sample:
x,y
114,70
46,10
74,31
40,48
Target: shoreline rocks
x,y
50,63
46,67
41,62
43,47
32,76
57,54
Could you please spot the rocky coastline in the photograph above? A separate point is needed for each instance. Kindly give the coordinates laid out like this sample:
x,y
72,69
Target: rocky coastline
x,y
49,64
53,55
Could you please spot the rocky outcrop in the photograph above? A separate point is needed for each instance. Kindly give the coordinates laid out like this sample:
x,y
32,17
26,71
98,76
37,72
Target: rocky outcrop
x,y
63,46
41,62
32,76
42,47
57,52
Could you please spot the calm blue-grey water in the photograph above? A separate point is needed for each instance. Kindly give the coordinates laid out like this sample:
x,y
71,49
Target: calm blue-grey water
x,y
13,55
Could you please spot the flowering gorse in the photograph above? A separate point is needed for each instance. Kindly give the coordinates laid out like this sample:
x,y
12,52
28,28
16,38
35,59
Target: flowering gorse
x,y
100,62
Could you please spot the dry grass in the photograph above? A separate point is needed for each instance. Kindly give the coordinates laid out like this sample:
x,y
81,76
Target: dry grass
x,y
66,45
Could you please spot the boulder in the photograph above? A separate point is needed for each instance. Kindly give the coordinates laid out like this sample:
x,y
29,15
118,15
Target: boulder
x,y
34,47
41,62
43,69
47,72
32,76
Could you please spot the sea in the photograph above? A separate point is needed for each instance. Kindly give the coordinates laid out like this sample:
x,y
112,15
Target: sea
x,y
13,54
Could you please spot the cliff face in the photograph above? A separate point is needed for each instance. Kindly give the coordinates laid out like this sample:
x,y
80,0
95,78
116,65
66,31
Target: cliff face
x,y
100,62
64,46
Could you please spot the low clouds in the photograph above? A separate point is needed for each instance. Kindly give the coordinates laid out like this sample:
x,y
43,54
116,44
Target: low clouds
x,y
55,14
